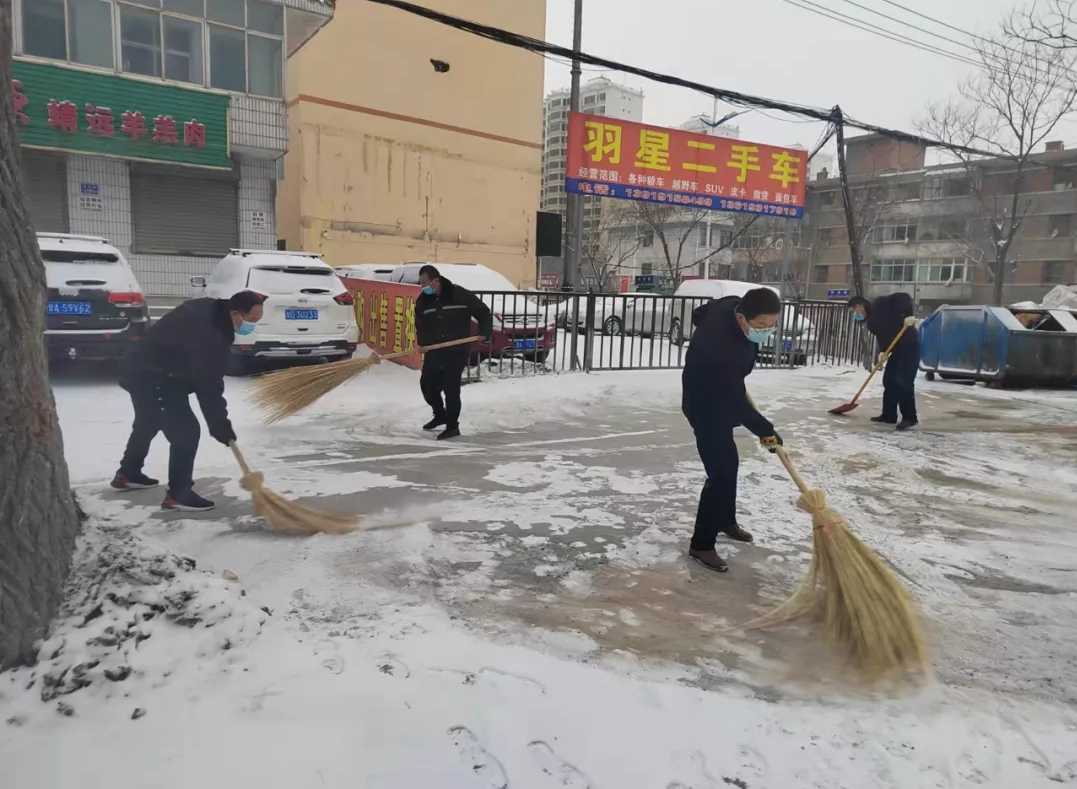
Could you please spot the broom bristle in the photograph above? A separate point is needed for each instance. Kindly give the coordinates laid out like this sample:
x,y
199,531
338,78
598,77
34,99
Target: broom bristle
x,y
866,610
291,518
287,392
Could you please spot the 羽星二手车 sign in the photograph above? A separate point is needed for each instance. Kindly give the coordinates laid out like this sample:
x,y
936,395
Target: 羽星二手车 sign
x,y
608,157
105,114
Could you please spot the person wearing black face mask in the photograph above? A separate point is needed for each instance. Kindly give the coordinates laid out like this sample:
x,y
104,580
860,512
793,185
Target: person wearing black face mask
x,y
720,356
443,313
884,318
186,352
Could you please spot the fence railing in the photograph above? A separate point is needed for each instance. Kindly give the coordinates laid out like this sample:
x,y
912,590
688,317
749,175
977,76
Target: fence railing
x,y
538,333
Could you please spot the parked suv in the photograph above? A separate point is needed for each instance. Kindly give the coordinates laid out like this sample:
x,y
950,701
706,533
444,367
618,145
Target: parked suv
x,y
95,309
308,313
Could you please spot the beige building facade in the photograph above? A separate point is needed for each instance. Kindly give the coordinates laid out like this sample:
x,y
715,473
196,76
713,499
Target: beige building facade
x,y
394,159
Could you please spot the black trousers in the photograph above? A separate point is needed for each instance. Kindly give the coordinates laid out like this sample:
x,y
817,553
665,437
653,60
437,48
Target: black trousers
x,y
718,501
441,376
160,407
899,385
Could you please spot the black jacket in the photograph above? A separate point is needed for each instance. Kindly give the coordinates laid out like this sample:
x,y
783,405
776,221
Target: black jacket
x,y
719,358
447,317
188,350
886,316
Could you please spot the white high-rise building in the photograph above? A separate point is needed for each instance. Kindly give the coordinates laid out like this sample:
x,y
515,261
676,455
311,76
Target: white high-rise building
x,y
701,124
598,96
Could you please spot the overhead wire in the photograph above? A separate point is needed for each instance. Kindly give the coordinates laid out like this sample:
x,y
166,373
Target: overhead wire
x,y
737,98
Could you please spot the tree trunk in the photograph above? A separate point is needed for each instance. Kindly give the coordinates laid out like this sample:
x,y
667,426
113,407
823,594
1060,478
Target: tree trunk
x,y
38,517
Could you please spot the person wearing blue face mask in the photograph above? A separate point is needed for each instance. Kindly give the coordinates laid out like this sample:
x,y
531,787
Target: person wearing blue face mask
x,y
884,318
186,352
720,357
443,313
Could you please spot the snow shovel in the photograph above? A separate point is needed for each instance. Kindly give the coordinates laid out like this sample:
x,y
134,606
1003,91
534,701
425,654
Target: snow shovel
x,y
852,404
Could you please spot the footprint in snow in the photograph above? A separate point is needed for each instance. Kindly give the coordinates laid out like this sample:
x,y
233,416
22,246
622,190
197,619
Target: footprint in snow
x,y
335,664
482,763
392,667
557,768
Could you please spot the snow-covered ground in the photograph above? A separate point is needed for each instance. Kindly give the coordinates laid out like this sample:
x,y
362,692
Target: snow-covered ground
x,y
526,617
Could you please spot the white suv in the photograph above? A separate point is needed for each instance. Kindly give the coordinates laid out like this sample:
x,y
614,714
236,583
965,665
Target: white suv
x,y
308,311
95,308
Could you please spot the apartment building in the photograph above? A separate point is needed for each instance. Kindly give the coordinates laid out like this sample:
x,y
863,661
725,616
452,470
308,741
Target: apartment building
x,y
157,124
924,230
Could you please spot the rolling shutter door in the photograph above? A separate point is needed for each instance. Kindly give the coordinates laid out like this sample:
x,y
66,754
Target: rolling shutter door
x,y
184,211
45,180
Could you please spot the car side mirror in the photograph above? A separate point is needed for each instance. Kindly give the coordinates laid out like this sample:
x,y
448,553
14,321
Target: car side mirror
x,y
198,282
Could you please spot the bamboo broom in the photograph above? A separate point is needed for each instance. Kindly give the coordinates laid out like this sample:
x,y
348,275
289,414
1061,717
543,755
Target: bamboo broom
x,y
287,392
866,611
287,516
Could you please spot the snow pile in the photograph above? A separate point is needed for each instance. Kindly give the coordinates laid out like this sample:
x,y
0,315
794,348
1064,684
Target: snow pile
x,y
1061,297
132,612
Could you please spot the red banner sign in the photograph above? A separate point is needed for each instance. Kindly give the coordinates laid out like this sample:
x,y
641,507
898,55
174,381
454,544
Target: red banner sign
x,y
608,157
385,313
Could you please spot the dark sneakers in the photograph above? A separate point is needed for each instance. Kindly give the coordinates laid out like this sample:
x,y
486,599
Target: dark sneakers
x,y
186,502
907,424
739,534
434,424
709,559
449,432
133,481
884,420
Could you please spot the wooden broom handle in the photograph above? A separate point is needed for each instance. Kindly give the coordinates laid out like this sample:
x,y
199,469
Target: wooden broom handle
x,y
783,456
232,445
879,363
438,347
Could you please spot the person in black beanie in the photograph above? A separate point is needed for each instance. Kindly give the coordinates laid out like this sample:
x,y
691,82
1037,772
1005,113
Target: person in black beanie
x,y
884,318
720,356
186,352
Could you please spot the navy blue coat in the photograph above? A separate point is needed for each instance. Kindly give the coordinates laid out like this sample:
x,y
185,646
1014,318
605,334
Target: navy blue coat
x,y
720,356
886,316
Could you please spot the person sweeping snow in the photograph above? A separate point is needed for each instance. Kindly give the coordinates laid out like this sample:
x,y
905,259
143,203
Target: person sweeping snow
x,y
884,318
720,356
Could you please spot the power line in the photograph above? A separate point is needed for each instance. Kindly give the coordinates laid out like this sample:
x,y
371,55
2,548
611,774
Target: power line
x,y
539,46
911,25
807,5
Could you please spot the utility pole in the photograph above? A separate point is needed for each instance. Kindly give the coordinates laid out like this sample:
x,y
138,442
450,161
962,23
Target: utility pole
x,y
574,203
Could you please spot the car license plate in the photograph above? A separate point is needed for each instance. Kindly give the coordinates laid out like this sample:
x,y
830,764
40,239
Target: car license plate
x,y
69,308
524,345
301,315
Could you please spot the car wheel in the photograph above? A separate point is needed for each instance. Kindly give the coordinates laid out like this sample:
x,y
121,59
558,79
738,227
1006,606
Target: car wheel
x,y
930,375
676,336
613,327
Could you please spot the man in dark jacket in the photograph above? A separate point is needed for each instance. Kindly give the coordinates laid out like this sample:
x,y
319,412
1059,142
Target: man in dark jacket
x,y
884,318
720,356
443,313
186,352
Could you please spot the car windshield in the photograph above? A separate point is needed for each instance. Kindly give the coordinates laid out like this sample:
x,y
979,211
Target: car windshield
x,y
292,279
68,256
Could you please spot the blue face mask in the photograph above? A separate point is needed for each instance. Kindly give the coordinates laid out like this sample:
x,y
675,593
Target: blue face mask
x,y
429,290
759,336
246,328
858,317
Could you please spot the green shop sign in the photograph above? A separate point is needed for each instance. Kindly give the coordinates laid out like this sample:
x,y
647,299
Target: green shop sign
x,y
89,112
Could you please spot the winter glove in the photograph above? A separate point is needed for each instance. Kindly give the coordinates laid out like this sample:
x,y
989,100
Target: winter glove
x,y
223,432
771,443
910,321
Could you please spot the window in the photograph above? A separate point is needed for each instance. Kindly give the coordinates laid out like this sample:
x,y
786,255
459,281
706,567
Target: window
x,y
227,59
932,189
646,269
601,96
647,239
942,271
188,7
44,30
1060,225
957,187
230,12
265,17
588,100
183,50
903,192
828,198
1054,274
1064,178
140,41
703,240
899,270
820,274
90,32
952,228
823,237
899,233
265,65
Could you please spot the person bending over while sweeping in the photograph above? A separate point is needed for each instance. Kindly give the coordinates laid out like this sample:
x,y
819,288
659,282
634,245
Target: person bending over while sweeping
x,y
186,352
884,318
720,356
443,313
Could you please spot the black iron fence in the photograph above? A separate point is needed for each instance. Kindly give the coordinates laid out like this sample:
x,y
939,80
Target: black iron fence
x,y
535,333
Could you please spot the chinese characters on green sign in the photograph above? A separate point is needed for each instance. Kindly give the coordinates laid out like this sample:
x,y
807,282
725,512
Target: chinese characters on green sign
x,y
90,112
